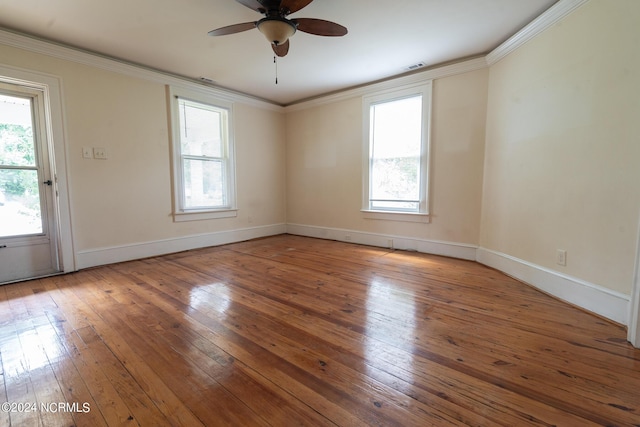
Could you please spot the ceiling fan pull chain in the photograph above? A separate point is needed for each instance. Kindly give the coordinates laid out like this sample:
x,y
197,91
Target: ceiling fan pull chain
x,y
275,61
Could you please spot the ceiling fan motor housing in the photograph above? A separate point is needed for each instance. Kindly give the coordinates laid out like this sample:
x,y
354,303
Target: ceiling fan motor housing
x,y
277,30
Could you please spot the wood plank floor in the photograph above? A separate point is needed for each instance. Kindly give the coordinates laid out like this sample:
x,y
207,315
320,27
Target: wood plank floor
x,y
291,331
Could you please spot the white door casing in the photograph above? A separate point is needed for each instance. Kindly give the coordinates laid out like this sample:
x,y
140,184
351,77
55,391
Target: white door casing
x,y
28,235
56,196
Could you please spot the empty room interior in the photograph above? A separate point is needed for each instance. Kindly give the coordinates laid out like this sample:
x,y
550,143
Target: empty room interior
x,y
295,212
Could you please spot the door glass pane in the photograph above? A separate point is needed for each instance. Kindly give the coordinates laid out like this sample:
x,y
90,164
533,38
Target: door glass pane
x,y
16,132
204,184
19,202
20,211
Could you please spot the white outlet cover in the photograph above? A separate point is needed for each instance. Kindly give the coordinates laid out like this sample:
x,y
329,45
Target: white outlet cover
x,y
100,153
561,257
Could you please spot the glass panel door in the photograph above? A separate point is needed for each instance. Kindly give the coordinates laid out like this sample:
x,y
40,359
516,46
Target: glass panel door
x,y
27,221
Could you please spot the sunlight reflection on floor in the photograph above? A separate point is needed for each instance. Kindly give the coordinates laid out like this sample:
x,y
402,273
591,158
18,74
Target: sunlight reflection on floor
x,y
391,319
216,296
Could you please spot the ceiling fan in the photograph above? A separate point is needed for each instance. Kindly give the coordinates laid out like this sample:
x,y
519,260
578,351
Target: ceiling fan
x,y
277,28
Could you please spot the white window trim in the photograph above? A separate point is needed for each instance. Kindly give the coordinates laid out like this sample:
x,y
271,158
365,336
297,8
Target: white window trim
x,y
425,89
179,213
396,216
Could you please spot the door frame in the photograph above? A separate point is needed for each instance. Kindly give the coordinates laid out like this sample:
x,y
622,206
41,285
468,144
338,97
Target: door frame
x,y
51,86
633,329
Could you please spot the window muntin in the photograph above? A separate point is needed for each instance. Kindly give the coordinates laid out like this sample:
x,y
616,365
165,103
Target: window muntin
x,y
397,130
204,175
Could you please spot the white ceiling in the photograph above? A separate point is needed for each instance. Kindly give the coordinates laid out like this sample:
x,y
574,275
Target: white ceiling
x,y
385,37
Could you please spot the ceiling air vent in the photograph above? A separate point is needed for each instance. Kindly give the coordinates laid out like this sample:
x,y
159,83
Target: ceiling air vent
x,y
415,66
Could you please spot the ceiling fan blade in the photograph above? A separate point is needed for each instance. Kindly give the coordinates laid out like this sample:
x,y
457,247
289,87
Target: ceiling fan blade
x,y
281,49
320,27
232,29
253,4
291,6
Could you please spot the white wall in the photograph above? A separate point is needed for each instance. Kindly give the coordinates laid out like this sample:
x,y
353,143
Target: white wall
x,y
121,207
562,150
325,158
560,169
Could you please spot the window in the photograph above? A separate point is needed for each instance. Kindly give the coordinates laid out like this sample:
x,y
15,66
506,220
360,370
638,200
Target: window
x,y
203,163
397,151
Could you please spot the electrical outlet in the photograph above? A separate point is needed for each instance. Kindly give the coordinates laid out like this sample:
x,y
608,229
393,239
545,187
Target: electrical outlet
x,y
561,257
100,153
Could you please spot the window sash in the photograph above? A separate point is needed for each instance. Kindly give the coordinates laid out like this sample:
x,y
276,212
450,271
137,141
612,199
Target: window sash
x,y
208,191
219,182
188,164
412,200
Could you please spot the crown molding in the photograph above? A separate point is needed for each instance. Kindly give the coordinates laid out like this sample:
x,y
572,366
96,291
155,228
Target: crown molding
x,y
550,17
43,47
437,72
91,59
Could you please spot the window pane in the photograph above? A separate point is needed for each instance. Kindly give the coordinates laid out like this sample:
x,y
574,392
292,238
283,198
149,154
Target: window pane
x,y
200,130
396,178
16,132
396,130
19,203
204,184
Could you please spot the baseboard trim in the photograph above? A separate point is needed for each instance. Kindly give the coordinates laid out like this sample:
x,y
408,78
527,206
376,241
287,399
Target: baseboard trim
x,y
113,254
596,299
434,247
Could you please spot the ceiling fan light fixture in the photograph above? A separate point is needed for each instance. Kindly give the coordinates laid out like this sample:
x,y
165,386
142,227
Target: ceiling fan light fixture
x,y
277,31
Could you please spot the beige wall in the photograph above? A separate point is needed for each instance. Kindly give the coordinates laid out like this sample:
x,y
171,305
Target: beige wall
x,y
127,198
562,166
324,164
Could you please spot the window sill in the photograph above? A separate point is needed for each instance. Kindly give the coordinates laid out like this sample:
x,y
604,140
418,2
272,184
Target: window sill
x,y
396,216
201,215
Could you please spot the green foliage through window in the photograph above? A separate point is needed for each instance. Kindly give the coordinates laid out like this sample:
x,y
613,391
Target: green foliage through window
x,y
17,149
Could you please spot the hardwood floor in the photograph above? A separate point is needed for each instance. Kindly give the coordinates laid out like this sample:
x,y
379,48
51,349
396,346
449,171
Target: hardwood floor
x,y
290,331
